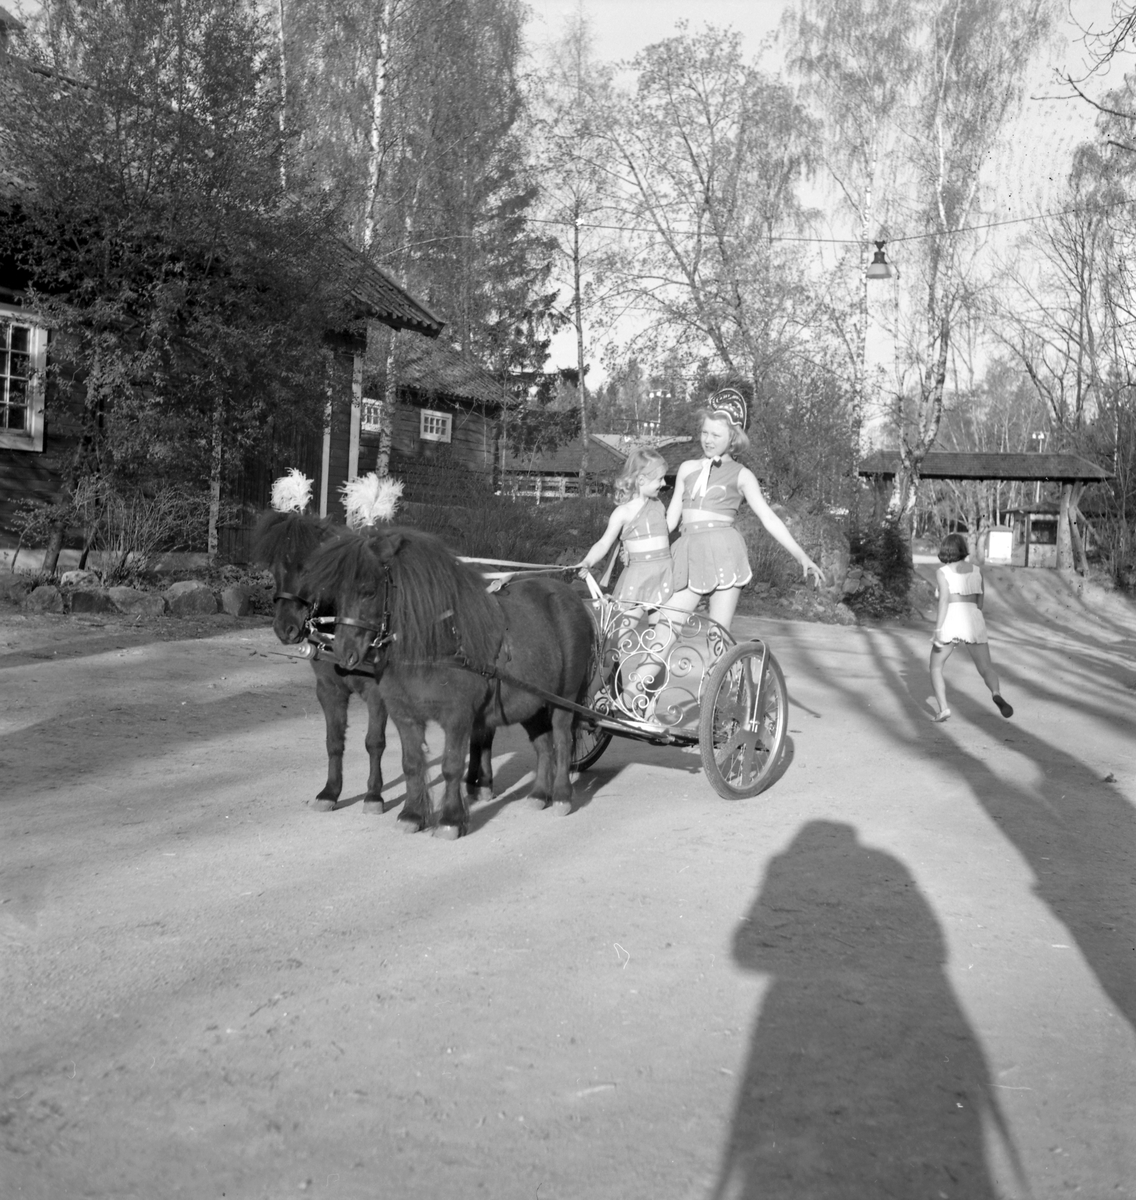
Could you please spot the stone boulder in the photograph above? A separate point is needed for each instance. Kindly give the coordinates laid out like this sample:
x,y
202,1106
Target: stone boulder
x,y
44,599
91,600
236,600
79,579
191,598
13,588
137,603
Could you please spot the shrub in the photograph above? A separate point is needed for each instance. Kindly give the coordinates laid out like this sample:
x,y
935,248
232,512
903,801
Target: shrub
x,y
883,554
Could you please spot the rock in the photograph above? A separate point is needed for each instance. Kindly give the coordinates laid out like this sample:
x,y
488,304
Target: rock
x,y
13,587
136,603
78,579
191,598
235,600
45,598
91,600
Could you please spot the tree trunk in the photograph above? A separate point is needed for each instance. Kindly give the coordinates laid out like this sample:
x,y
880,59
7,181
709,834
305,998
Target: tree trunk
x,y
215,460
583,391
1064,541
386,410
378,96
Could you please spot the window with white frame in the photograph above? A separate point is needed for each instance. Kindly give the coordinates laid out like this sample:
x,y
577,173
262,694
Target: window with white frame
x,y
434,426
372,416
22,353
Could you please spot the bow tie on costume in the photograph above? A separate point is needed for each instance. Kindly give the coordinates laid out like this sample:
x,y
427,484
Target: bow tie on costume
x,y
703,481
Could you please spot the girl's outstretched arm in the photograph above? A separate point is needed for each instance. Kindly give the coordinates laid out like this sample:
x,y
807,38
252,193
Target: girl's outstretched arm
x,y
611,534
748,486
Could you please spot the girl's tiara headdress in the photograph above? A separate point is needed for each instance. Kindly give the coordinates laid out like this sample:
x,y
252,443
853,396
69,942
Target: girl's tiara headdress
x,y
291,492
370,498
729,403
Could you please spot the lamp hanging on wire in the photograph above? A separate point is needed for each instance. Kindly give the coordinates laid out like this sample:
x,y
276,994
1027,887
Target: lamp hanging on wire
x,y
879,267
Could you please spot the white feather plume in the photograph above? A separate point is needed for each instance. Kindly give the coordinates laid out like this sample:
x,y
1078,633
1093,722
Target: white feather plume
x,y
370,498
291,492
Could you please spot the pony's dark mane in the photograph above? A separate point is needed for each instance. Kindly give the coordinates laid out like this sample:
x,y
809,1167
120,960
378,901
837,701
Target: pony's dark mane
x,y
432,595
288,539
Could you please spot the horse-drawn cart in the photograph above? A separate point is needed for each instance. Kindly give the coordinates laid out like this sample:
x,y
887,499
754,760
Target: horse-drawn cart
x,y
705,689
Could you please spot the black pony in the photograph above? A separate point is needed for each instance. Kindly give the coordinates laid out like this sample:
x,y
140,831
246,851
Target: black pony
x,y
448,650
286,542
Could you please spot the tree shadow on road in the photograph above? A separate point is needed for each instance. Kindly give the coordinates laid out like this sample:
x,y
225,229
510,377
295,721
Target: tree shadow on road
x,y
863,1077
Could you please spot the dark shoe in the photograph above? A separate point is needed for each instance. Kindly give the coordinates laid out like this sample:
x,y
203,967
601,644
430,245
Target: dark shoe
x,y
1003,707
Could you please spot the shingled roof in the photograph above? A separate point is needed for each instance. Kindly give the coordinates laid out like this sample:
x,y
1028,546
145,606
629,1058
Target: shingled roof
x,y
435,369
1026,468
377,296
565,459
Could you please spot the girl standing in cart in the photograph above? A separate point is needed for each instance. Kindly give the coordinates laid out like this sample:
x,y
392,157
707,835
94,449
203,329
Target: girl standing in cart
x,y
710,556
640,520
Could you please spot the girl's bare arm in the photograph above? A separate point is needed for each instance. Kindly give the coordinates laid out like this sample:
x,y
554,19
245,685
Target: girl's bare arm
x,y
610,535
674,509
748,486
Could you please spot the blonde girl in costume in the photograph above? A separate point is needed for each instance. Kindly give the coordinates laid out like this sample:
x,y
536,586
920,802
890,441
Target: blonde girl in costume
x,y
640,521
960,620
710,556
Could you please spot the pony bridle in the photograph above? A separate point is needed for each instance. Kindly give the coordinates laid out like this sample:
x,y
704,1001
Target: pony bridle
x,y
383,636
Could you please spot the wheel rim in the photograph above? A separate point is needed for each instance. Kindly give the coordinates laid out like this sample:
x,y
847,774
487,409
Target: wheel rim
x,y
747,719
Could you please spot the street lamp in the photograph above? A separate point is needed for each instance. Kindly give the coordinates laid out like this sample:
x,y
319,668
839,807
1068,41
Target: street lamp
x,y
658,397
879,267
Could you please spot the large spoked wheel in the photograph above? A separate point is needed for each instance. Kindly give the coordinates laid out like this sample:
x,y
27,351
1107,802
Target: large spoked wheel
x,y
589,741
745,715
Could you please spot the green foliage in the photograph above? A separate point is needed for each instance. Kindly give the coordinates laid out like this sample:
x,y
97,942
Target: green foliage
x,y
188,294
516,530
884,554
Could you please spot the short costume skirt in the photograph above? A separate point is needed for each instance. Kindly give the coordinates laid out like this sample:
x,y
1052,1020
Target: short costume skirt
x,y
706,559
964,623
647,580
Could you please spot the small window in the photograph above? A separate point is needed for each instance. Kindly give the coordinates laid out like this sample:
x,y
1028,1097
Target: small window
x,y
372,418
434,426
22,346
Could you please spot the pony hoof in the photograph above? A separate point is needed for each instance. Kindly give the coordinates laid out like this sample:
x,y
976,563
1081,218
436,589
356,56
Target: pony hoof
x,y
538,802
448,833
374,806
562,807
476,795
410,825
323,804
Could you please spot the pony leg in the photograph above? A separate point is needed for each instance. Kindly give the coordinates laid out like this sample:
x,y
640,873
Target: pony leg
x,y
376,743
333,694
453,818
562,722
539,729
479,777
416,808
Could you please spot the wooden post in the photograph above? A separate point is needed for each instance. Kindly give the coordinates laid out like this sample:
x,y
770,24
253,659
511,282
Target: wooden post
x,y
1064,540
356,416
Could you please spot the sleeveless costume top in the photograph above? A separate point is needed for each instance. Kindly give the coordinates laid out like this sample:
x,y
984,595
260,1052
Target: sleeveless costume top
x,y
964,621
711,553
647,577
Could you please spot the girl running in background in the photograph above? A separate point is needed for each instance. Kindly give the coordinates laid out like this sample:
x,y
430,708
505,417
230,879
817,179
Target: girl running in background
x,y
960,620
710,556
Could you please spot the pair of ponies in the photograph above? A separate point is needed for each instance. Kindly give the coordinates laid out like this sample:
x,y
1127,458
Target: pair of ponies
x,y
443,645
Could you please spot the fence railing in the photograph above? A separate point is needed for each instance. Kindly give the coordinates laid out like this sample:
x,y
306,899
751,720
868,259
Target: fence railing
x,y
549,487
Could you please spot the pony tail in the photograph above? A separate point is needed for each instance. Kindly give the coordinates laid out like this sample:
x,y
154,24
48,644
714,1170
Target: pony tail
x,y
291,492
370,499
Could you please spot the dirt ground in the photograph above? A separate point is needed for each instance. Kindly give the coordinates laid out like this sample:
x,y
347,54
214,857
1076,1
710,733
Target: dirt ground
x,y
908,970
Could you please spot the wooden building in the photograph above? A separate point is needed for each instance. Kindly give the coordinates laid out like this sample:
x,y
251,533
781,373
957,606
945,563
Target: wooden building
x,y
1069,472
